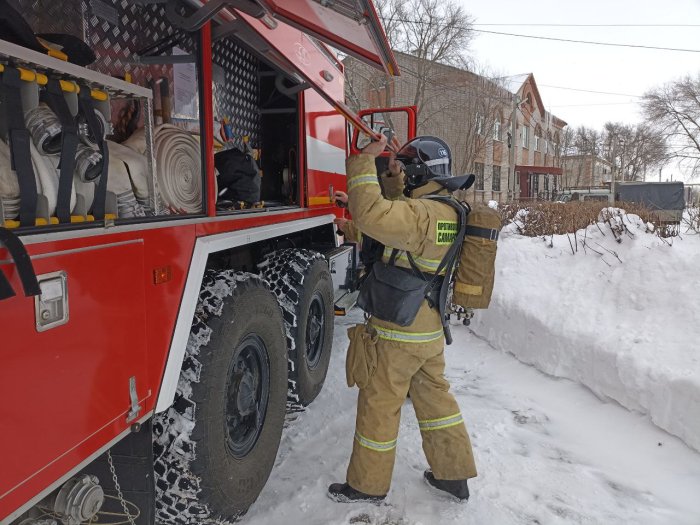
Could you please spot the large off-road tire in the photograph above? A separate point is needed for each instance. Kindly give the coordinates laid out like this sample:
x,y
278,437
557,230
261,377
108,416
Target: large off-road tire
x,y
302,283
215,447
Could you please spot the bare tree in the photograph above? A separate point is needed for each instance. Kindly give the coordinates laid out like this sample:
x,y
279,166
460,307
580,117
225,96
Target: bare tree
x,y
433,31
633,149
475,110
577,144
674,111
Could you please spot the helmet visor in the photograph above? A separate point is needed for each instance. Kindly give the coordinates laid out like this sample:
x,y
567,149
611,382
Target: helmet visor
x,y
433,154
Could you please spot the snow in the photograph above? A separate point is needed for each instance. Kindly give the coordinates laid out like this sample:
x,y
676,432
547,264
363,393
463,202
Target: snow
x,y
548,452
542,378
623,323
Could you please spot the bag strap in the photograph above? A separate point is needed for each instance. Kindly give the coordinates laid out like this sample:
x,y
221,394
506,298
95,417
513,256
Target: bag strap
x,y
18,143
53,96
22,261
489,234
87,108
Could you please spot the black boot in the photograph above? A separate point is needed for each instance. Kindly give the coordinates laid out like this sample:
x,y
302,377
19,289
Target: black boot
x,y
344,493
456,487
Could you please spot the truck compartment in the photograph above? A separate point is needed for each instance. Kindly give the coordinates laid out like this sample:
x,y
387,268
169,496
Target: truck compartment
x,y
153,132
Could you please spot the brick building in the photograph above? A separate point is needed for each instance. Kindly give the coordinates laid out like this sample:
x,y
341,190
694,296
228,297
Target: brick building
x,y
474,115
585,171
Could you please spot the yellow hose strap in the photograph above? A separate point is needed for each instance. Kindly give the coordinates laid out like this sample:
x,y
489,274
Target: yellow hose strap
x,y
440,423
378,446
361,180
24,74
57,54
468,289
98,95
408,337
66,85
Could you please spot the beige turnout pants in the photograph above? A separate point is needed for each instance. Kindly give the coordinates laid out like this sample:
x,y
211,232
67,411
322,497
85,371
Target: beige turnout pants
x,y
417,368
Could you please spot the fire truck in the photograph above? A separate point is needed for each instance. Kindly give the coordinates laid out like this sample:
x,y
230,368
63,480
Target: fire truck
x,y
155,334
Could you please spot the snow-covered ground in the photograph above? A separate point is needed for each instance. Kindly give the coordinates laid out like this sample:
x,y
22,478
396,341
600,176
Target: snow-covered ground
x,y
548,452
616,325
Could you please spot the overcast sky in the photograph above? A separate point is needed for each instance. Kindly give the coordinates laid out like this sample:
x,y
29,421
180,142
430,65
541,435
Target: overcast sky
x,y
589,67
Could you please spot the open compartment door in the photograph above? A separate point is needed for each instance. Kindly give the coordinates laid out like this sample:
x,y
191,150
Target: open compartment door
x,y
352,26
303,58
399,122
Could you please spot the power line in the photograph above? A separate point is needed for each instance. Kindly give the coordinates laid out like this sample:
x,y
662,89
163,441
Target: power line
x,y
549,38
591,91
588,25
590,42
593,104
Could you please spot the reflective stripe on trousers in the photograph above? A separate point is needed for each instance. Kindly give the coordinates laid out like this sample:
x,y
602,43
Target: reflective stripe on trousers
x,y
440,423
379,446
407,337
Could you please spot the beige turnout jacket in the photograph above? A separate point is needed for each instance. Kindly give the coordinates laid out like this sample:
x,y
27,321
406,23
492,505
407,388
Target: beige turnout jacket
x,y
422,227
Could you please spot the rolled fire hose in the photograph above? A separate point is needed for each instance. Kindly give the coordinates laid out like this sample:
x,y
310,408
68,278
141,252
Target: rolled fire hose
x,y
45,129
178,166
46,173
119,183
137,166
9,185
88,163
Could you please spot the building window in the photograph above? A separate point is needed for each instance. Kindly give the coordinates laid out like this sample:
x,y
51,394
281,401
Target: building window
x,y
537,143
546,183
479,124
535,184
496,179
526,136
497,130
479,172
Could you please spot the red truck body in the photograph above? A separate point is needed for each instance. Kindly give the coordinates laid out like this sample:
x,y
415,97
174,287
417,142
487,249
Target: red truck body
x,y
132,286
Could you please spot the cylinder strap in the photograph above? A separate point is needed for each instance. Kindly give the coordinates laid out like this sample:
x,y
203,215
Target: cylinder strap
x,y
485,233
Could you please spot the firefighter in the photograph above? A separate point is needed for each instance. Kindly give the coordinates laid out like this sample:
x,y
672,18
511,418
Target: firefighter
x,y
406,359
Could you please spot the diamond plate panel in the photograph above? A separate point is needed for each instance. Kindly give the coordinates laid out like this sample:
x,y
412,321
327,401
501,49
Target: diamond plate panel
x,y
239,98
117,29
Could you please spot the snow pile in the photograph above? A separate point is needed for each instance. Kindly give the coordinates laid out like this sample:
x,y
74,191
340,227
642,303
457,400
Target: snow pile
x,y
622,318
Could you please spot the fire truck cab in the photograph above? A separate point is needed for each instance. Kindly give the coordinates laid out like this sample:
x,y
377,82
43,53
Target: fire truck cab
x,y
157,327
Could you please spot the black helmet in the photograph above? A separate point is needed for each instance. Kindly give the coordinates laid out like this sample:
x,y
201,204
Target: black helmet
x,y
425,158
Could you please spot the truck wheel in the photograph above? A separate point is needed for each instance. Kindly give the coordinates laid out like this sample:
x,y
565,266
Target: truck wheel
x,y
302,283
215,447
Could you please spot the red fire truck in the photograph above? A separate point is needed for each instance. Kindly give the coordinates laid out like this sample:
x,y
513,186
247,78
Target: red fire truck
x,y
148,376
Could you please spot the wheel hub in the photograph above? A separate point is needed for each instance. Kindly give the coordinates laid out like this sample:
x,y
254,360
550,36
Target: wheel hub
x,y
247,395
315,328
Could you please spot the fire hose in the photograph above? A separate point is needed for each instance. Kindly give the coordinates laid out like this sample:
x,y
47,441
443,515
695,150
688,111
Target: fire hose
x,y
9,185
178,167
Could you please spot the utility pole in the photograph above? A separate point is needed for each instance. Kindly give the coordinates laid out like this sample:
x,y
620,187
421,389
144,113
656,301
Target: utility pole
x,y
511,148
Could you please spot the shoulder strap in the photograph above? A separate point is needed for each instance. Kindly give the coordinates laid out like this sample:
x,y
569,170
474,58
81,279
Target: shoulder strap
x,y
449,262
